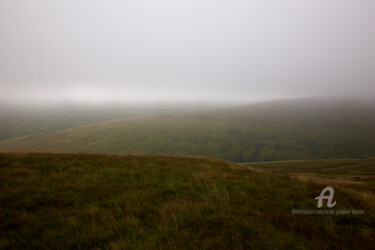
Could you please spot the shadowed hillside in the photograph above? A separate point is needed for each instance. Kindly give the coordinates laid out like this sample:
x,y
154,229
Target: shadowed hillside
x,y
278,130
81,201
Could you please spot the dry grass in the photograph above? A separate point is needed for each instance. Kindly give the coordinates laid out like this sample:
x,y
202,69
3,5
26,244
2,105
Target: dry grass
x,y
69,201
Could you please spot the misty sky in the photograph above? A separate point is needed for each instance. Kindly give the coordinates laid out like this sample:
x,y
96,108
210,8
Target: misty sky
x,y
148,50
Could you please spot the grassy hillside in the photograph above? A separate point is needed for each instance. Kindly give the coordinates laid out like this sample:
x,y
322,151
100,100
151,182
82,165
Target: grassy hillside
x,y
20,120
80,201
348,169
25,120
279,130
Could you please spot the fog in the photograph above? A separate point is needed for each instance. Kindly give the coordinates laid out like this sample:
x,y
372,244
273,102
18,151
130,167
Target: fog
x,y
185,51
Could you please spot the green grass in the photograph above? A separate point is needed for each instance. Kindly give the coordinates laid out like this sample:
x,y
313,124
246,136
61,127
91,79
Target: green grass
x,y
79,201
347,169
284,130
21,120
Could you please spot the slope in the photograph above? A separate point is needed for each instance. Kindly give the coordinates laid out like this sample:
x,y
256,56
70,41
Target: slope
x,y
22,119
347,169
279,130
66,201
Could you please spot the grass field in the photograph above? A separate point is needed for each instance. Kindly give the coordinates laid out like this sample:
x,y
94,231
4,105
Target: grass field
x,y
80,201
345,169
280,130
21,120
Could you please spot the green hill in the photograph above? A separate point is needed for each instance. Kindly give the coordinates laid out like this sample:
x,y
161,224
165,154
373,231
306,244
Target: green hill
x,y
78,201
22,119
278,130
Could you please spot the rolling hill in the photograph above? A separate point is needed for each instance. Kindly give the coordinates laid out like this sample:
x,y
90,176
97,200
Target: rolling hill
x,y
26,119
80,201
276,130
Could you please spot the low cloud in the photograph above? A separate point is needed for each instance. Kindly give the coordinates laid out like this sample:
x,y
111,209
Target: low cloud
x,y
142,51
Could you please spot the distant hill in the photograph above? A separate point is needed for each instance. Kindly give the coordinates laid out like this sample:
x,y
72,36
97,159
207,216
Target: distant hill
x,y
78,201
23,119
276,130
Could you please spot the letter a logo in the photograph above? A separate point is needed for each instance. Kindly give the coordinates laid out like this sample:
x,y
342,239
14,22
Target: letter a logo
x,y
329,197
